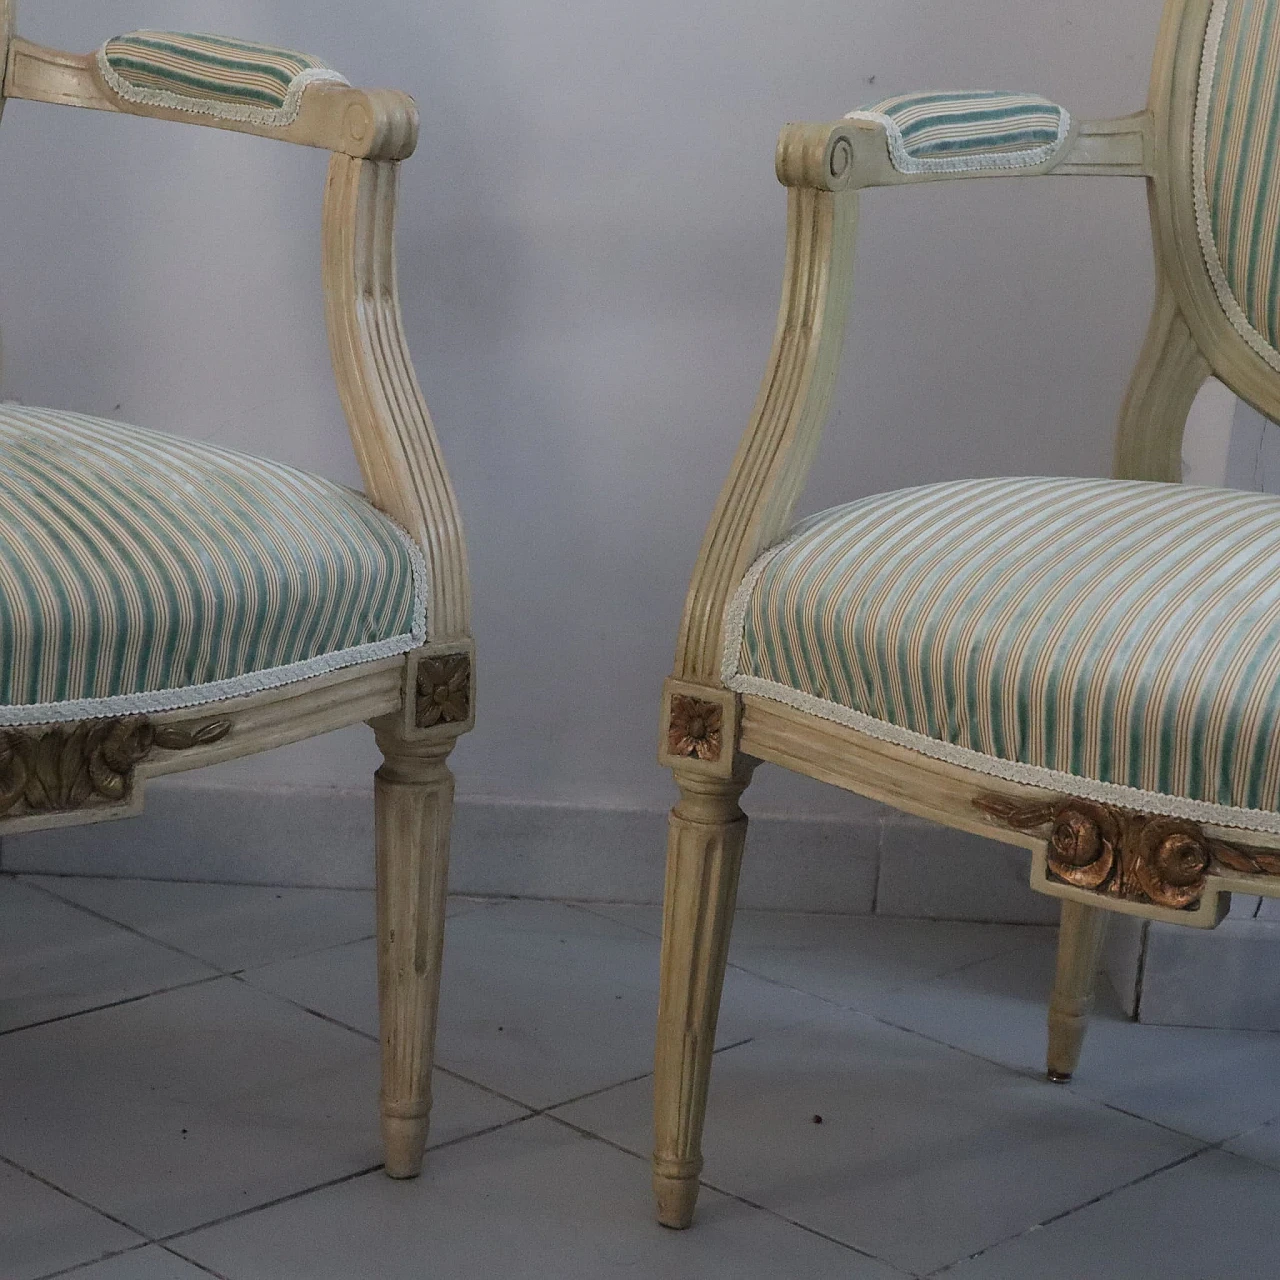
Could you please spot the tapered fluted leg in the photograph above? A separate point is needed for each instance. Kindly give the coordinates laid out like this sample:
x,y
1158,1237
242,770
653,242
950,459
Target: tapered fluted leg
x,y
704,852
413,794
1080,937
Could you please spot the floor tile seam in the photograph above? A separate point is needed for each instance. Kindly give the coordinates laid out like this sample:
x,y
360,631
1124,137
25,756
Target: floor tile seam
x,y
121,925
191,955
300,955
93,1262
25,873
1137,1115
1067,1213
145,1237
167,1239
199,1266
115,1004
585,1132
620,1084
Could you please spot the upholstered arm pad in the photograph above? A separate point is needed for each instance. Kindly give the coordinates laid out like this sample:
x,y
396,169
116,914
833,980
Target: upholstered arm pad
x,y
924,137
223,83
211,75
969,132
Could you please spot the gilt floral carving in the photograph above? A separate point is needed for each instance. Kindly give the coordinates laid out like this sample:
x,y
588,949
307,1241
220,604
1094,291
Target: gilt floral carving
x,y
89,764
1136,856
444,690
695,729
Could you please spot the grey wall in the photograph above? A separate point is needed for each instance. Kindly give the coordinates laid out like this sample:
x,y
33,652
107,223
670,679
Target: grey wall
x,y
591,251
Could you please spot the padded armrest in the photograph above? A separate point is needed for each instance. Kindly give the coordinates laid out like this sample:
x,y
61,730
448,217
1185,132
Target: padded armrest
x,y
211,75
969,132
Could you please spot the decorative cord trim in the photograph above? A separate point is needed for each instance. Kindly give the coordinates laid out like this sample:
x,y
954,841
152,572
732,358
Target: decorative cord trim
x,y
1032,775
1199,180
277,117
981,162
251,681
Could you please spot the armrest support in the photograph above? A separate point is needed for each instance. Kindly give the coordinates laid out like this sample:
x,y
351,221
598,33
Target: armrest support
x,y
378,124
825,165
395,443
854,153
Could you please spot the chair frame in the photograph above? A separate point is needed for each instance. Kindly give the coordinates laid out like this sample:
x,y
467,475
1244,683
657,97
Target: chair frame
x,y
418,704
712,738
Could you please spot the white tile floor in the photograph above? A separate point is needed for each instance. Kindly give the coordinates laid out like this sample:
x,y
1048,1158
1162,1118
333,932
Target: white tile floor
x,y
188,1081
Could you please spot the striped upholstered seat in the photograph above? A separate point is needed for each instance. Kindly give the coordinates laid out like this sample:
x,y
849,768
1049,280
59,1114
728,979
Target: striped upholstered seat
x,y
969,131
1090,636
211,75
140,572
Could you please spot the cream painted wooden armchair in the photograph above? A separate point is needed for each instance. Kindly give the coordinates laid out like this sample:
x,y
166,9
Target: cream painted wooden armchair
x,y
1087,668
166,604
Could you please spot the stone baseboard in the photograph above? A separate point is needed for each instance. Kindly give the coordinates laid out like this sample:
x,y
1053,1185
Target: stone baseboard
x,y
879,863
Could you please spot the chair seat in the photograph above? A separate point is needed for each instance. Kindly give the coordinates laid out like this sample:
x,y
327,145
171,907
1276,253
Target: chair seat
x,y
141,572
973,131
1111,639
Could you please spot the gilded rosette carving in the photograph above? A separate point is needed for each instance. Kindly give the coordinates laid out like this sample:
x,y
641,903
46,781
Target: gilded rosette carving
x,y
696,728
88,764
1136,856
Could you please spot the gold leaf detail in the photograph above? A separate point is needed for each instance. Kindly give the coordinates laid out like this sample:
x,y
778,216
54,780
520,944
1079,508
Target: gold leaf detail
x,y
695,728
1122,854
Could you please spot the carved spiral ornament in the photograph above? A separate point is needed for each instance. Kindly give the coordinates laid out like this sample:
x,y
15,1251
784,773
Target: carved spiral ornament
x,y
1136,856
89,764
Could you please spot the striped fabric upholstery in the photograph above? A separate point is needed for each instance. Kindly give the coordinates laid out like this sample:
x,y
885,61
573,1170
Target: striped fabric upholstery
x,y
210,75
1237,178
957,132
142,572
1086,635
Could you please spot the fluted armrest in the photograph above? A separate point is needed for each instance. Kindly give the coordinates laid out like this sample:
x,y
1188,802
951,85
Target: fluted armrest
x,y
925,137
223,83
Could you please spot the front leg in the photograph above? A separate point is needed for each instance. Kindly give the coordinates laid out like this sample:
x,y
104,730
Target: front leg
x,y
413,798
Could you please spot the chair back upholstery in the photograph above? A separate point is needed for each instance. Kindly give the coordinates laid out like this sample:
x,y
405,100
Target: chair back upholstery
x,y
1215,99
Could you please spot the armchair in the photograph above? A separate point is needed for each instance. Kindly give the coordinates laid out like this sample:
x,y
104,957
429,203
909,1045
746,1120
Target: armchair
x,y
1087,668
165,605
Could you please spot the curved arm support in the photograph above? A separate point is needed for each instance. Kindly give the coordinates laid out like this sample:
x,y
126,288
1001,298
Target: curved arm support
x,y
1169,373
777,450
394,440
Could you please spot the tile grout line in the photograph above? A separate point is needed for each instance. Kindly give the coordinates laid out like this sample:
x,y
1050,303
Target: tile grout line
x,y
1067,1213
729,1195
113,1004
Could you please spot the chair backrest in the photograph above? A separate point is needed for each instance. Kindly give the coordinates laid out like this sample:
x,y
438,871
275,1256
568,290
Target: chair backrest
x,y
1215,99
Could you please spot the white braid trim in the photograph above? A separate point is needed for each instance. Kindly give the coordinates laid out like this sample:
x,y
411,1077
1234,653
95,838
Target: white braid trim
x,y
980,162
195,695
1032,775
276,117
1199,178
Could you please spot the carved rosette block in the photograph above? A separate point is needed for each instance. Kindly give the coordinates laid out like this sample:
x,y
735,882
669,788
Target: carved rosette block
x,y
443,694
696,728
1119,853
88,764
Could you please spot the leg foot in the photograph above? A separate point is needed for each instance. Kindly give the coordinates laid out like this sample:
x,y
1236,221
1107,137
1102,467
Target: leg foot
x,y
413,795
704,852
1080,937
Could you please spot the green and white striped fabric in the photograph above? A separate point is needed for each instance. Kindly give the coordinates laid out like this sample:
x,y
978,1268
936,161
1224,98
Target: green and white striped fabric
x,y
1237,178
210,75
140,572
1118,640
968,131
